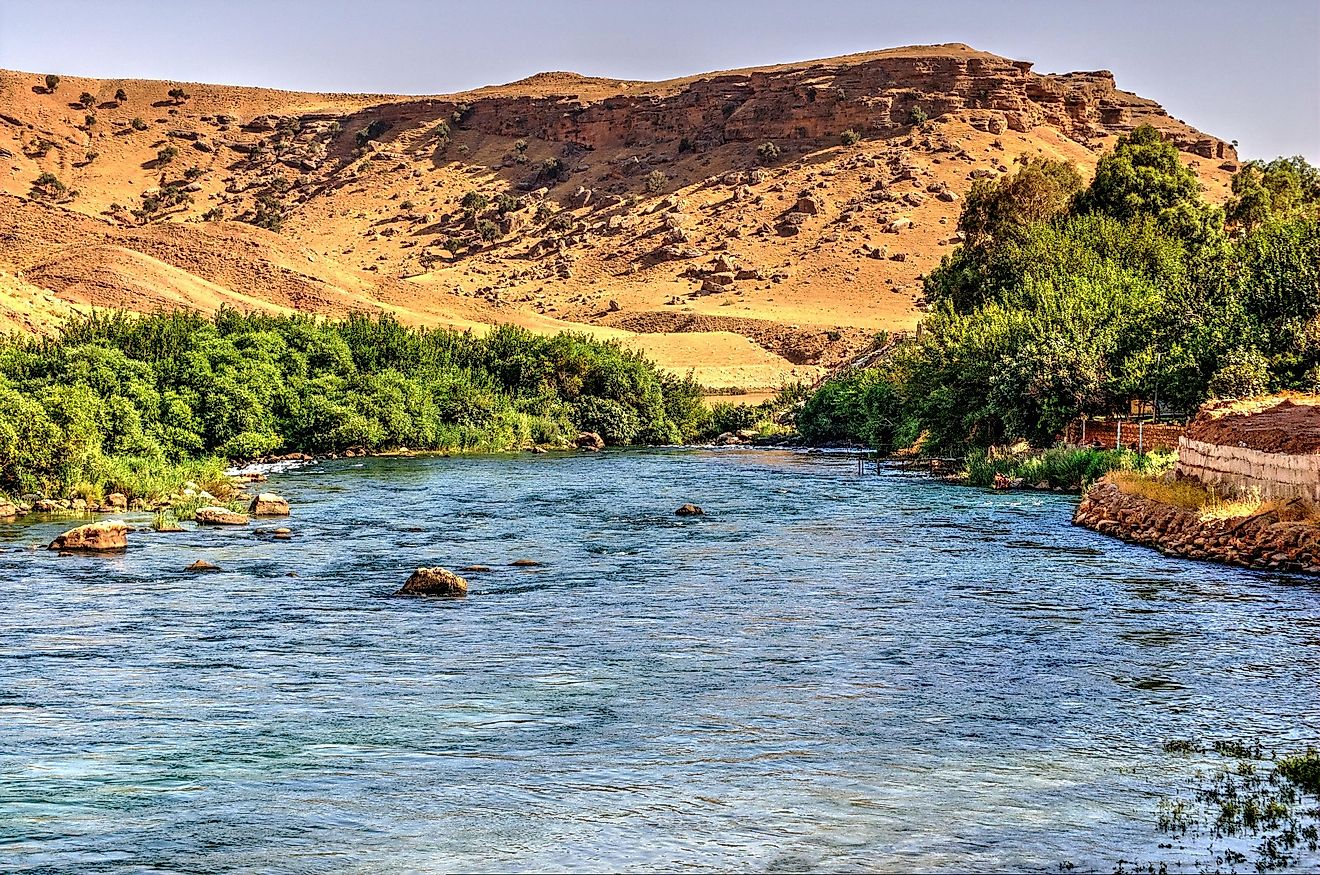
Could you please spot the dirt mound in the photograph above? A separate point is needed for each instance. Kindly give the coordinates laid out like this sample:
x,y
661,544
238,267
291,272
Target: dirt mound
x,y
1278,424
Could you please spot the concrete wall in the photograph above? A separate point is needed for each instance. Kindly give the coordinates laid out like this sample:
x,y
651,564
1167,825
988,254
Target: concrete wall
x,y
1238,469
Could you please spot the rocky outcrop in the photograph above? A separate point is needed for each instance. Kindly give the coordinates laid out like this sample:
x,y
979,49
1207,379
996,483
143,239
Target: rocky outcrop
x,y
433,581
589,440
689,510
220,516
1260,541
105,536
268,504
873,93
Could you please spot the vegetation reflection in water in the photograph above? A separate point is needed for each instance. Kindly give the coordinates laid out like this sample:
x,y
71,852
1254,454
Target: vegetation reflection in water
x,y
825,671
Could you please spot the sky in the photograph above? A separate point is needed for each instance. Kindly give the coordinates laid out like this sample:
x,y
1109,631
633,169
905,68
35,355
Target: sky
x,y
1240,71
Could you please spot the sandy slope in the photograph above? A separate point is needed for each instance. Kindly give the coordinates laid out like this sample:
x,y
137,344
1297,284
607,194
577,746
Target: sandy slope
x,y
375,227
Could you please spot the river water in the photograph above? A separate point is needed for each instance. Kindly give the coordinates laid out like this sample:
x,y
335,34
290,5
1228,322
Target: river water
x,y
827,671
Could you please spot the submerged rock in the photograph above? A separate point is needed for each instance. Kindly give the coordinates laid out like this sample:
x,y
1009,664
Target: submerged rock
x,y
268,504
220,516
476,569
689,510
94,537
202,565
433,581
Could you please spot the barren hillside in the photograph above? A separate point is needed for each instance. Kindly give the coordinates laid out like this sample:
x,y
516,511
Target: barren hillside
x,y
648,211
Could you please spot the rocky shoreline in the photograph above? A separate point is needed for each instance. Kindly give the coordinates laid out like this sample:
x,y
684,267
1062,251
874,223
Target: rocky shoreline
x,y
1262,541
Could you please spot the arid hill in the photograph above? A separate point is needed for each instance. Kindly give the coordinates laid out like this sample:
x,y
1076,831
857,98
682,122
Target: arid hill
x,y
654,212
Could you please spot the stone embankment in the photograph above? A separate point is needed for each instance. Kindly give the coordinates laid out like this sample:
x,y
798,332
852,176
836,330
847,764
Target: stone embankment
x,y
1263,540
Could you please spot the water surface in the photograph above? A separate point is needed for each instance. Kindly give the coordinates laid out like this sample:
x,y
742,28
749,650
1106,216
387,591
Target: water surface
x,y
827,671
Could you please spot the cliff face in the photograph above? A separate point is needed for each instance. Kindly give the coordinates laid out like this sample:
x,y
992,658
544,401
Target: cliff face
x,y
873,95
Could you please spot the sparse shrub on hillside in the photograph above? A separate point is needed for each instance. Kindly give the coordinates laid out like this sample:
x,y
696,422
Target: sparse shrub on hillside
x,y
169,196
214,214
39,148
850,138
87,100
371,132
507,203
52,83
474,202
121,95
767,152
655,181
178,95
685,145
48,186
488,230
89,119
407,205
463,149
461,113
520,146
90,155
192,173
553,169
918,117
268,212
138,124
166,155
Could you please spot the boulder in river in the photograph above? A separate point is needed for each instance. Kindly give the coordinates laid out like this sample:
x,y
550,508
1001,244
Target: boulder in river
x,y
433,581
589,440
202,565
8,510
526,563
94,537
689,510
220,516
268,504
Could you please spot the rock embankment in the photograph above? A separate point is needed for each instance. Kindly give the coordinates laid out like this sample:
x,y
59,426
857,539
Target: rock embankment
x,y
1259,541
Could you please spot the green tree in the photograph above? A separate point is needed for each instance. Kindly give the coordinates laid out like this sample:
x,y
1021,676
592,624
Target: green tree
x,y
1142,176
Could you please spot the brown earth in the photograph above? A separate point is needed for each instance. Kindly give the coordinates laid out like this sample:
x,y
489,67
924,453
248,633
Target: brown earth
x,y
645,214
1276,424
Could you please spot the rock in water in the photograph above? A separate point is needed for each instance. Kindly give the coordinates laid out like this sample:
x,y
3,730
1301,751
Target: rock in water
x,y
220,516
202,565
689,510
433,581
589,440
99,537
526,563
7,510
268,504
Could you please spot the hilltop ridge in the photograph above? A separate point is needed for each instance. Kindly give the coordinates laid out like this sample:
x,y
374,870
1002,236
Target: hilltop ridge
x,y
651,212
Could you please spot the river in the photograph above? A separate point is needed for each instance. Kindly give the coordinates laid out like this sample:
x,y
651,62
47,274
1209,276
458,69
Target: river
x,y
826,671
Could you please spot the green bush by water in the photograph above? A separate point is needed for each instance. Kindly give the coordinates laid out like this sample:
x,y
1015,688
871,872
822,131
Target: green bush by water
x,y
1068,468
141,405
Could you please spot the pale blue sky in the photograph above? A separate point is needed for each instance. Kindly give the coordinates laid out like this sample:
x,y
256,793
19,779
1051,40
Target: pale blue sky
x,y
1244,71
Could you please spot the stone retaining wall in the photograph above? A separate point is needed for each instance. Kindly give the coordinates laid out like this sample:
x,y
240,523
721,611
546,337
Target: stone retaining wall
x,y
1260,541
1277,476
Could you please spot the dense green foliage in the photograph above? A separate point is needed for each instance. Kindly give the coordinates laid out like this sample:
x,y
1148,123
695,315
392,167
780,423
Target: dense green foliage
x,y
1068,301
1067,468
117,394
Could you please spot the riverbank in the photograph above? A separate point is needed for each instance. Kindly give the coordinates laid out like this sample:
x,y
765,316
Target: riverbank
x,y
1183,519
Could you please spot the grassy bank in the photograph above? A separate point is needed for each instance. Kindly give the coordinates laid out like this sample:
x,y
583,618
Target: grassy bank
x,y
1208,503
1069,468
144,405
